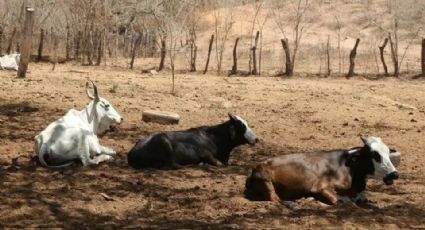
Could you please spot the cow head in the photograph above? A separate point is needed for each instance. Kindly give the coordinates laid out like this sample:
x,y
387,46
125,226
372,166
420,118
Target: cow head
x,y
379,153
101,111
241,132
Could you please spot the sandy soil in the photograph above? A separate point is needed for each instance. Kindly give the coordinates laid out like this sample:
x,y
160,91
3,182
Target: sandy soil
x,y
289,115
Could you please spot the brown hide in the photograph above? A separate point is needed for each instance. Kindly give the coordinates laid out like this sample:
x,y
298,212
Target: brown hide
x,y
295,176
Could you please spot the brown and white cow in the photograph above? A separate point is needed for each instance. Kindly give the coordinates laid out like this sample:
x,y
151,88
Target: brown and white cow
x,y
327,177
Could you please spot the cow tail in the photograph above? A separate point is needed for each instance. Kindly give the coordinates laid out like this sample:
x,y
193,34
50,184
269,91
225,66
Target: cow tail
x,y
41,152
41,157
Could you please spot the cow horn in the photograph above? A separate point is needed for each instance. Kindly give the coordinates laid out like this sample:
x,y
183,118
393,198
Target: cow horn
x,y
96,95
363,139
232,117
89,94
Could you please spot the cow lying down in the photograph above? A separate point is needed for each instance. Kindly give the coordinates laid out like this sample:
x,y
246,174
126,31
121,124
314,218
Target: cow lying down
x,y
206,144
74,136
329,177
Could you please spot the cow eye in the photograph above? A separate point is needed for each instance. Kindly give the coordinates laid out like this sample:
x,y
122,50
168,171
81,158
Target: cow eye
x,y
376,156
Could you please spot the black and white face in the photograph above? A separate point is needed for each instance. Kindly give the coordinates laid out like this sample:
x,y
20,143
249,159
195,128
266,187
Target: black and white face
x,y
383,167
243,130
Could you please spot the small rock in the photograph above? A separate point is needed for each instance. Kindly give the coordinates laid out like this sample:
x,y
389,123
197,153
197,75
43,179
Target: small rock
x,y
153,72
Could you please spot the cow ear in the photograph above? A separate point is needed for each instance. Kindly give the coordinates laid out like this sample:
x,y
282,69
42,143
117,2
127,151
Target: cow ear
x,y
232,117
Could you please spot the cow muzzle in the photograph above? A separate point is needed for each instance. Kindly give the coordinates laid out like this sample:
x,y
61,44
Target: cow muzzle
x,y
389,179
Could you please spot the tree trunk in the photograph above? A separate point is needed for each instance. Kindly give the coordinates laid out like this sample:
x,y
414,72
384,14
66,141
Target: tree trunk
x,y
137,41
10,43
328,56
394,57
193,50
40,46
26,43
254,55
423,57
163,53
260,54
67,45
381,52
90,47
235,58
353,54
55,50
1,41
77,45
99,48
288,64
209,53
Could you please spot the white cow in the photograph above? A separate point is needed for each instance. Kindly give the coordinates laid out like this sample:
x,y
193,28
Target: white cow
x,y
74,136
10,62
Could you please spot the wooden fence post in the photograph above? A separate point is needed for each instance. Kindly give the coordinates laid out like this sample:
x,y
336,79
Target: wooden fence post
x,y
137,40
1,41
328,57
381,52
40,46
163,53
289,71
353,54
209,53
235,58
423,57
26,43
254,55
67,45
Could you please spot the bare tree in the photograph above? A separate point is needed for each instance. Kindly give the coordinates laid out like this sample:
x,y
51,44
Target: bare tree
x,y
223,23
399,14
297,23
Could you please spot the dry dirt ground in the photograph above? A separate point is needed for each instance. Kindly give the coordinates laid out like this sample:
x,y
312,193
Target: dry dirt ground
x,y
289,115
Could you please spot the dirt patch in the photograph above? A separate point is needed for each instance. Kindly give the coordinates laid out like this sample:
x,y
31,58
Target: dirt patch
x,y
288,115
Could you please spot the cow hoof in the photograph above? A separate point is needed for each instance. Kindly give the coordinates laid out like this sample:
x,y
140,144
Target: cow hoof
x,y
291,205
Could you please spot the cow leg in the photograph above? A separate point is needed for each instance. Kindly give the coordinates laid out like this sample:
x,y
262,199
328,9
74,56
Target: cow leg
x,y
327,196
101,158
107,151
85,152
360,198
210,159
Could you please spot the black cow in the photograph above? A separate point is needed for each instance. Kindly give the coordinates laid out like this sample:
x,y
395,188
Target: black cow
x,y
328,177
206,144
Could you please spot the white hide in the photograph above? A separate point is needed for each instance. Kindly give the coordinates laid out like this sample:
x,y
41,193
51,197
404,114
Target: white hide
x,y
249,134
10,62
74,136
384,167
